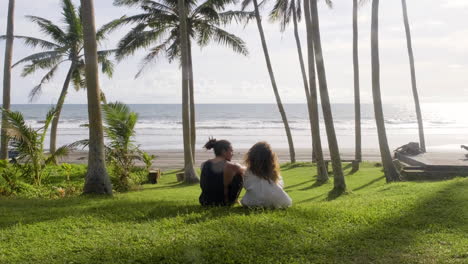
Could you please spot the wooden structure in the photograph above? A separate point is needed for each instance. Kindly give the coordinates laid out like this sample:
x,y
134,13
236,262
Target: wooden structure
x,y
433,166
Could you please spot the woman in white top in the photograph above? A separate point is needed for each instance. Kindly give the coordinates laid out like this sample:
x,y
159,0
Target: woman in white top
x,y
262,179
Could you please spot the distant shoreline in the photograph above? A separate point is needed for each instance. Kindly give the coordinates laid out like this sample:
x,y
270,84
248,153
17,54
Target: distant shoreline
x,y
174,159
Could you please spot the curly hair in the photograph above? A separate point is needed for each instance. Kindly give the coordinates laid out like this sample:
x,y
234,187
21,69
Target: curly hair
x,y
263,162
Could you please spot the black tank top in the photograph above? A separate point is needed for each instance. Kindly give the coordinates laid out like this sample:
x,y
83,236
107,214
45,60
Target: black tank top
x,y
212,185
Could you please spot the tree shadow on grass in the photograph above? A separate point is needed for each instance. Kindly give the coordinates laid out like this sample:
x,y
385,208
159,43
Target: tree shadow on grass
x,y
369,183
387,241
297,184
32,211
290,166
316,184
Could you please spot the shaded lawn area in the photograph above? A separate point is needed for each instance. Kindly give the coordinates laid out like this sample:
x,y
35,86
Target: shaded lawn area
x,y
409,222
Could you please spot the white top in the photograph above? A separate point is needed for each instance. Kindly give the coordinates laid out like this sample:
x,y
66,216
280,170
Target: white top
x,y
261,193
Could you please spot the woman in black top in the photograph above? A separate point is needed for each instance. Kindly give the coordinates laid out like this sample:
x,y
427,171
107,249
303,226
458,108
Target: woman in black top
x,y
220,180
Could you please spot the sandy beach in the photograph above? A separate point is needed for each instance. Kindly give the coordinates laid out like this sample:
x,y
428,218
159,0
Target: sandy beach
x,y
173,159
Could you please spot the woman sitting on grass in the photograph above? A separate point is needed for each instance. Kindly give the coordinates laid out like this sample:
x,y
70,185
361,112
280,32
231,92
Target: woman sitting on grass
x,y
220,179
262,179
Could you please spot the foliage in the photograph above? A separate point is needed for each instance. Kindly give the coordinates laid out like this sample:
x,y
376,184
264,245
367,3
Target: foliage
x,y
406,222
147,159
29,143
121,152
157,27
66,45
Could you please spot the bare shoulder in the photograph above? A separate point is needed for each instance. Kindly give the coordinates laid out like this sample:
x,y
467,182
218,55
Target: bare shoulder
x,y
234,166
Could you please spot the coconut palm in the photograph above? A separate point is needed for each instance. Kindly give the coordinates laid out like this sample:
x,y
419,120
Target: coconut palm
x,y
65,48
160,25
391,173
284,118
413,77
357,98
322,173
29,144
97,180
339,180
7,78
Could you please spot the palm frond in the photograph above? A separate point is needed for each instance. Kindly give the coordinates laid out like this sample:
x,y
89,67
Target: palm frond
x,y
240,17
50,29
36,91
73,21
227,39
43,64
149,58
39,56
108,28
138,38
107,66
35,42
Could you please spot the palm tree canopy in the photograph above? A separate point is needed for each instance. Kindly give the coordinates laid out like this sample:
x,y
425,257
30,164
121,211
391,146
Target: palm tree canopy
x,y
282,10
65,45
157,27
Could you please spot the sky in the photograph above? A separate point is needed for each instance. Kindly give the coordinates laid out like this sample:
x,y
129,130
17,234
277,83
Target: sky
x,y
440,43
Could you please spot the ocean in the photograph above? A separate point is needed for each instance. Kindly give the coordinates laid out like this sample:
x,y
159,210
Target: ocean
x,y
160,128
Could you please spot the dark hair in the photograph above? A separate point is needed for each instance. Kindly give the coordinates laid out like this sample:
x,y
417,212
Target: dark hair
x,y
263,162
218,146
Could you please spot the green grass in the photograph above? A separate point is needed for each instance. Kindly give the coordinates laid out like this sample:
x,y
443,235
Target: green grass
x,y
408,222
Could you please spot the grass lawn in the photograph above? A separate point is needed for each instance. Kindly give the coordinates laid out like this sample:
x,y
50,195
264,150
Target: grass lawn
x,y
408,222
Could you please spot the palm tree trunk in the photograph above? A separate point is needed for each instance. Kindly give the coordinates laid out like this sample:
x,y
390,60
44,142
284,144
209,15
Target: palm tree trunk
x,y
292,152
189,171
339,180
7,78
322,172
422,141
193,129
357,98
391,173
303,72
97,180
58,107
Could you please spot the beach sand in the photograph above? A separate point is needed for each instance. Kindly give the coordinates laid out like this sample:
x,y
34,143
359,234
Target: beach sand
x,y
174,159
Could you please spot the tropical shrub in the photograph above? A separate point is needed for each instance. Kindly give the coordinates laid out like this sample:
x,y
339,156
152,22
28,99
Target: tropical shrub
x,y
29,143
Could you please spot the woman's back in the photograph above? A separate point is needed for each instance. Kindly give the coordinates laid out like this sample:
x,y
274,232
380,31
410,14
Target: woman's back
x,y
212,183
263,193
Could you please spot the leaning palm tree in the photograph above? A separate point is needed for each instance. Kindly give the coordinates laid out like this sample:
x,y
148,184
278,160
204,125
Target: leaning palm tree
x,y
7,78
245,3
422,141
283,11
160,24
391,172
66,47
339,180
322,173
97,180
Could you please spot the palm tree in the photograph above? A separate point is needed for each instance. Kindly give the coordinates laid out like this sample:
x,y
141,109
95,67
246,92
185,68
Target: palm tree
x,y
413,76
7,77
66,47
322,173
282,12
339,180
97,180
160,24
357,98
189,171
292,153
391,173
